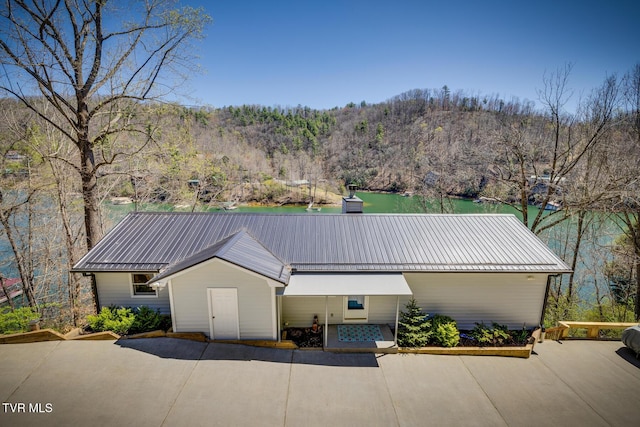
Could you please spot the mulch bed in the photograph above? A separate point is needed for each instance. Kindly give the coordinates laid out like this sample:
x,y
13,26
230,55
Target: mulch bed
x,y
305,337
308,338
467,341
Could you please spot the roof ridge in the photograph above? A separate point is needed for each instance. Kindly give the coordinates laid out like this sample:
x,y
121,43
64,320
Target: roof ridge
x,y
319,215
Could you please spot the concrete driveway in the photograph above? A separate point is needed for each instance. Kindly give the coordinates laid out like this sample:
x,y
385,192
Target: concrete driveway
x,y
164,381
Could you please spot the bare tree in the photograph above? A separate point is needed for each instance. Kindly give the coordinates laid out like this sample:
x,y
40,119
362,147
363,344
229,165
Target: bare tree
x,y
624,165
536,156
91,62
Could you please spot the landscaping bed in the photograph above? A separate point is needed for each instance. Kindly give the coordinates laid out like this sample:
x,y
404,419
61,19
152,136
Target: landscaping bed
x,y
467,347
305,337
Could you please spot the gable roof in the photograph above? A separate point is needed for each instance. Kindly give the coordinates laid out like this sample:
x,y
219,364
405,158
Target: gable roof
x,y
151,241
239,249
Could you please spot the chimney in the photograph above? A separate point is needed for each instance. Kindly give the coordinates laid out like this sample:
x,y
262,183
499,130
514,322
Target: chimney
x,y
352,203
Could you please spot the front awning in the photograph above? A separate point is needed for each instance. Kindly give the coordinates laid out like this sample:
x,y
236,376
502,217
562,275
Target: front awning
x,y
346,284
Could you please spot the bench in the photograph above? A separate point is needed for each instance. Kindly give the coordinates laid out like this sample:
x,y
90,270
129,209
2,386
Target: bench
x,y
593,328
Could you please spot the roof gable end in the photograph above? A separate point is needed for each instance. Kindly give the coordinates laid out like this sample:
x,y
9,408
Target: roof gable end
x,y
240,249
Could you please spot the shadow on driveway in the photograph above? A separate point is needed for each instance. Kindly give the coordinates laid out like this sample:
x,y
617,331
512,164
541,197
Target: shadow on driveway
x,y
173,348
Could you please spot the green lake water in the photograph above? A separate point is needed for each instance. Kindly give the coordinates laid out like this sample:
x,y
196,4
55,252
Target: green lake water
x,y
373,203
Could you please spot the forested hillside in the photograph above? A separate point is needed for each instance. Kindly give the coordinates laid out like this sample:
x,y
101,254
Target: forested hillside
x,y
434,143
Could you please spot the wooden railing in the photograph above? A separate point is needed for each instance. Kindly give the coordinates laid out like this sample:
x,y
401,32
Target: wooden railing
x,y
593,328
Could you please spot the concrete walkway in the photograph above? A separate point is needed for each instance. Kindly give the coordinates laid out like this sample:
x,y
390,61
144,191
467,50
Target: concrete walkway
x,y
169,382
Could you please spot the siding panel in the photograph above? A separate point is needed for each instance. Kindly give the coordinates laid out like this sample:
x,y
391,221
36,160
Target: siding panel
x,y
299,311
509,299
254,299
382,309
115,289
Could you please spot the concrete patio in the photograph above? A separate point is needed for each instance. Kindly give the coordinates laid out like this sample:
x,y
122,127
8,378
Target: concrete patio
x,y
386,345
167,382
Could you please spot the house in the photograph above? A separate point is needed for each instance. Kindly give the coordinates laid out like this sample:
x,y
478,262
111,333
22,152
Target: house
x,y
246,275
10,289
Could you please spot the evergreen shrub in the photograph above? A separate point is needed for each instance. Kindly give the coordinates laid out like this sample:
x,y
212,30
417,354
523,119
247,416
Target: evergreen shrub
x,y
413,326
146,320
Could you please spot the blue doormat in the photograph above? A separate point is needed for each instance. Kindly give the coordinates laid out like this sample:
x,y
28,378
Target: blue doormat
x,y
359,333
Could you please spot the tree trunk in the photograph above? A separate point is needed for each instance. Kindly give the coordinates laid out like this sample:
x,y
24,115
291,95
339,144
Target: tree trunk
x,y
27,285
6,293
91,206
576,251
90,197
636,244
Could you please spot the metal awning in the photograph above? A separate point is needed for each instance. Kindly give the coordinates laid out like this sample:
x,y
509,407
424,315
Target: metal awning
x,y
346,284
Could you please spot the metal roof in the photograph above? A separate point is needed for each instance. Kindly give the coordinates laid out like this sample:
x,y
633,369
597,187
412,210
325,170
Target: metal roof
x,y
240,249
150,241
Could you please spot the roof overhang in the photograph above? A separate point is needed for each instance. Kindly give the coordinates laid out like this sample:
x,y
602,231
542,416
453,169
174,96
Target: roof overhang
x,y
332,284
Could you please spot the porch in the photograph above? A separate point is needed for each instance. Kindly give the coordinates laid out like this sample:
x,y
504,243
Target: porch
x,y
386,345
339,300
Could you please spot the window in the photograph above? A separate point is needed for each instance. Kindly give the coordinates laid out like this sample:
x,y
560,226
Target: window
x,y
140,287
355,302
356,308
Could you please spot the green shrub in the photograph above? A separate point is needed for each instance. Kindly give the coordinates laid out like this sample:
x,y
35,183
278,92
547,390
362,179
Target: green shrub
x,y
494,335
16,321
413,326
444,331
116,319
520,336
146,319
447,335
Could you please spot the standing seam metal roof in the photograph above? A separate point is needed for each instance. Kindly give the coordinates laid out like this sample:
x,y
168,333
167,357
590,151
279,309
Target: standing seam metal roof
x,y
150,241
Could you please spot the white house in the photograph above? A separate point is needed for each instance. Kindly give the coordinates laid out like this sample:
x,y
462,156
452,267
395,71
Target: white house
x,y
245,275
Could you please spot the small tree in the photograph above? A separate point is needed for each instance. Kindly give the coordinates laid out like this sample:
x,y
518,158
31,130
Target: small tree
x,y
413,326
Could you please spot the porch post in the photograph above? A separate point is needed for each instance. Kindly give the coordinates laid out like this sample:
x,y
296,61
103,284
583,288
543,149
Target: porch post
x,y
326,320
279,308
395,332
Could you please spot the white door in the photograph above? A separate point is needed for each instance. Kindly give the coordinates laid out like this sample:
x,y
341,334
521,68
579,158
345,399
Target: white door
x,y
223,313
356,309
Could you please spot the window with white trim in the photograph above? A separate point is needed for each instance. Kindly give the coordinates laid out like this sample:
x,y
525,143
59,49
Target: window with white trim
x,y
140,287
355,302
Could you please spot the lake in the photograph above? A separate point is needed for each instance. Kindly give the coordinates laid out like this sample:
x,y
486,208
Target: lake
x,y
373,203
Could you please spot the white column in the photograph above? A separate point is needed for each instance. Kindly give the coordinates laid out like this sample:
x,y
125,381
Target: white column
x,y
326,320
395,332
279,308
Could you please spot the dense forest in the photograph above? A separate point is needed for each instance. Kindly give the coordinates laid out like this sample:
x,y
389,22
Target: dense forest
x,y
433,143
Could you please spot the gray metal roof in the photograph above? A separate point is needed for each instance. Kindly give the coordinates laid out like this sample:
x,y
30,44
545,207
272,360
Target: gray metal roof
x,y
240,249
150,241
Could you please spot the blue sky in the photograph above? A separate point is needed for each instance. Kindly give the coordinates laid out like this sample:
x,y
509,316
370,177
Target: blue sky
x,y
328,53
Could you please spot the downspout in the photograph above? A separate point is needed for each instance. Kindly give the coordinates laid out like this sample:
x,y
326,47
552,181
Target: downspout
x,y
546,297
94,290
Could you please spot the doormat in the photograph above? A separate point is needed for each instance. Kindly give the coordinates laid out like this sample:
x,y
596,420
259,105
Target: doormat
x,y
359,333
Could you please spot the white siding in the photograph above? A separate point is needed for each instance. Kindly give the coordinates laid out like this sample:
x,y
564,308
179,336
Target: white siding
x,y
299,311
115,289
506,298
382,309
255,304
